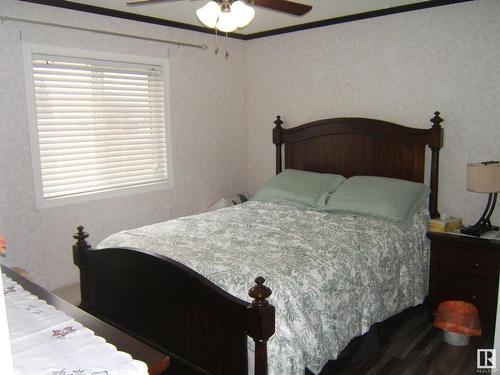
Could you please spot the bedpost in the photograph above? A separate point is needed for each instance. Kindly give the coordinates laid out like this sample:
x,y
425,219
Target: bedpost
x,y
278,142
435,144
80,260
260,326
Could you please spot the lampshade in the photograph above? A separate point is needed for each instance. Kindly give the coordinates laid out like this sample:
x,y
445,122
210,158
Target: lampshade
x,y
483,177
458,317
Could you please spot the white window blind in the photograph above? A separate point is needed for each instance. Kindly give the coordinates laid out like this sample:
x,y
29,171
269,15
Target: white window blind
x,y
100,125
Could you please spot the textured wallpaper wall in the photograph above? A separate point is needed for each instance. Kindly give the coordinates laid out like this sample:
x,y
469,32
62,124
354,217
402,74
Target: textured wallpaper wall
x,y
208,137
400,68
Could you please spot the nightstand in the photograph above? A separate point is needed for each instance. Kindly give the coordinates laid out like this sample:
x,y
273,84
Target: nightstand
x,y
464,268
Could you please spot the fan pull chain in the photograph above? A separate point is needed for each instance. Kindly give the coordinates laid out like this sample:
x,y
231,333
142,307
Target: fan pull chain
x,y
216,50
226,56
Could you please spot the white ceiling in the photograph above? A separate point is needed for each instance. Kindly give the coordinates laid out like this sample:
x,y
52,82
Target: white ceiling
x,y
184,11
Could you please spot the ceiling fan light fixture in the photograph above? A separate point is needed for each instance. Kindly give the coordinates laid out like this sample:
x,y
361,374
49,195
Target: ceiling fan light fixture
x,y
226,16
242,13
209,14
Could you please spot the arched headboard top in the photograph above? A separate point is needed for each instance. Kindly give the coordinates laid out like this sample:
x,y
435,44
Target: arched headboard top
x,y
353,146
355,125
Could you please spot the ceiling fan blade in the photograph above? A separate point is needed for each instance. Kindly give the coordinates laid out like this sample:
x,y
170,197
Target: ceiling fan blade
x,y
283,6
147,2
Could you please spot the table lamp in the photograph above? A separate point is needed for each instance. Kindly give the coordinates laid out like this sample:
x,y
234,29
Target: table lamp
x,y
483,178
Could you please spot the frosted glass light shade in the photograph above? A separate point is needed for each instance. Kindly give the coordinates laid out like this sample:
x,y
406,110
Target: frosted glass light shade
x,y
483,178
227,22
209,14
242,13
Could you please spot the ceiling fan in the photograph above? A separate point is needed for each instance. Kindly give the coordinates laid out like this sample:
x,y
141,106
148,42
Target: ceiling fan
x,y
284,6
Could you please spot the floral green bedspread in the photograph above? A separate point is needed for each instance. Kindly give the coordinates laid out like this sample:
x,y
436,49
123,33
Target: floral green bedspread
x,y
332,276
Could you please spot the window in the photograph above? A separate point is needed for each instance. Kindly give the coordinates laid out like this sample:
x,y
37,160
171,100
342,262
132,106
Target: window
x,y
98,124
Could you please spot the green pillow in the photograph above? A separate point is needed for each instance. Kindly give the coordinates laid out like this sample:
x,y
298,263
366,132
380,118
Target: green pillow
x,y
297,188
379,197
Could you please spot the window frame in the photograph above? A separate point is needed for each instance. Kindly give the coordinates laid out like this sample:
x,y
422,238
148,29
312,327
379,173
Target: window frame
x,y
29,49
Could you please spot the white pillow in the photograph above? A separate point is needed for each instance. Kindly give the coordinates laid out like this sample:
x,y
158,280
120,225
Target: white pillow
x,y
228,202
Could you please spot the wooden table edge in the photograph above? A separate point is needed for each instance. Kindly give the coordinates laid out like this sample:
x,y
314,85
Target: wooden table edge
x,y
156,360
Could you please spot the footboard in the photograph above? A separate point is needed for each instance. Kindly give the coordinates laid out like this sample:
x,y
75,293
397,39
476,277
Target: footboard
x,y
168,305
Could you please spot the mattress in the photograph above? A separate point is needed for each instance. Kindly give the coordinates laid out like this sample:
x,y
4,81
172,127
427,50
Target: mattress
x,y
332,276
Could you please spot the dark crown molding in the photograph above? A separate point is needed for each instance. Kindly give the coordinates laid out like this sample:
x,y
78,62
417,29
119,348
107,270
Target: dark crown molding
x,y
355,17
125,15
163,22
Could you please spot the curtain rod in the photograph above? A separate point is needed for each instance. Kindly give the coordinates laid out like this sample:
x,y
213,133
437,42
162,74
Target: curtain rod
x,y
22,20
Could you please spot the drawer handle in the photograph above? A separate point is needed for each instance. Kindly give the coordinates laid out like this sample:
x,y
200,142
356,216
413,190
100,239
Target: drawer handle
x,y
477,264
474,298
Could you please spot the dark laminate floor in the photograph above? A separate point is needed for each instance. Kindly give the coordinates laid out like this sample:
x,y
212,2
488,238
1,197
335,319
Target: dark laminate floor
x,y
411,346
414,347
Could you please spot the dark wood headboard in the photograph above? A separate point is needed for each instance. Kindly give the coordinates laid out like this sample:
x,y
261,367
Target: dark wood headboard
x,y
360,146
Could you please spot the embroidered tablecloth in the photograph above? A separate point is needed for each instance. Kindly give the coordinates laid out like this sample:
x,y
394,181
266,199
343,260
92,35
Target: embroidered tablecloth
x,y
45,341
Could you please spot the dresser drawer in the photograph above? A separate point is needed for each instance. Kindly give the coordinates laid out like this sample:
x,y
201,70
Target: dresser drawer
x,y
477,264
481,295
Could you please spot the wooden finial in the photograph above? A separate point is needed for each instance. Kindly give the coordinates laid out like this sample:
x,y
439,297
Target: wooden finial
x,y
261,323
435,144
436,132
81,238
80,249
259,293
436,120
278,121
277,140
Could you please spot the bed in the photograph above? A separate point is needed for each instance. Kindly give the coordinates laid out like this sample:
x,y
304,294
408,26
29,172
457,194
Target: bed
x,y
169,297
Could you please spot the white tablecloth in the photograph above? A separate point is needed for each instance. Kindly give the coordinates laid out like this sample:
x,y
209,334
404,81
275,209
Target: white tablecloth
x,y
45,341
